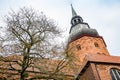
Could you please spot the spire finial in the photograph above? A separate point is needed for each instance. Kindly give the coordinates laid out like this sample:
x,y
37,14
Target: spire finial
x,y
73,11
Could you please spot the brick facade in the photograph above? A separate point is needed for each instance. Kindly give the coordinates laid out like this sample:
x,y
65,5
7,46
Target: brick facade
x,y
87,46
100,67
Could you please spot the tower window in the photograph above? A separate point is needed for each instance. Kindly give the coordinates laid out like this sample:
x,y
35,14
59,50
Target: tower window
x,y
96,44
78,47
115,74
75,21
78,20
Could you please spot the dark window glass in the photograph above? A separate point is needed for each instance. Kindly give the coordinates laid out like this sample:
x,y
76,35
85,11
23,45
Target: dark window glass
x,y
78,20
115,74
96,44
78,47
75,21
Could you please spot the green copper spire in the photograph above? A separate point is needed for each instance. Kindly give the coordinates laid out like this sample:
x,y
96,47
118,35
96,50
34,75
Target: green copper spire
x,y
73,11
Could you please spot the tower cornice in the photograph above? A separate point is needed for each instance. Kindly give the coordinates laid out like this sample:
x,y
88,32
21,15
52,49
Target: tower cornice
x,y
88,36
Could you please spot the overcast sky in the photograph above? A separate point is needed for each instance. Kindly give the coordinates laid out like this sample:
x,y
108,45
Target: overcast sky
x,y
103,15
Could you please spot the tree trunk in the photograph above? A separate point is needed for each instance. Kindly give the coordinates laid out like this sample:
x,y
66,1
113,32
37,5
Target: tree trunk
x,y
25,63
22,77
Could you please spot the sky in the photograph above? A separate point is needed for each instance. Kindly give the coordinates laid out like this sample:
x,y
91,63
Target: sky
x,y
103,15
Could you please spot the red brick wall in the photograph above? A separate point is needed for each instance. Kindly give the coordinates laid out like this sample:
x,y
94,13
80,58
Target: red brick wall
x,y
104,70
88,74
87,47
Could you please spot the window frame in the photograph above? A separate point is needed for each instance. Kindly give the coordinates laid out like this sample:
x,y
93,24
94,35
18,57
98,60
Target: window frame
x,y
78,47
96,44
115,74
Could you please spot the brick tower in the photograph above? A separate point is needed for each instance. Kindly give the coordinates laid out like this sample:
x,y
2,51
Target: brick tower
x,y
90,57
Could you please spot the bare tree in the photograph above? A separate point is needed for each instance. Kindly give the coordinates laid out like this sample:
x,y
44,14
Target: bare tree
x,y
30,33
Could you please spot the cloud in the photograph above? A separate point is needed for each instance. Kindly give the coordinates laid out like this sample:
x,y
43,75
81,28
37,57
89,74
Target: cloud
x,y
102,15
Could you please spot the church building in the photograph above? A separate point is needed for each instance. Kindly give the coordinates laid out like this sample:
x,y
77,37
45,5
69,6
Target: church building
x,y
87,56
91,56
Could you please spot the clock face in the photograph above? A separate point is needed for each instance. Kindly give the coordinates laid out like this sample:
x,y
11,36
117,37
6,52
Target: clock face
x,y
78,28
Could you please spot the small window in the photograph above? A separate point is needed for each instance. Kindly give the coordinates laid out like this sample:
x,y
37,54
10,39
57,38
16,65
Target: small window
x,y
75,21
79,20
78,47
96,44
115,74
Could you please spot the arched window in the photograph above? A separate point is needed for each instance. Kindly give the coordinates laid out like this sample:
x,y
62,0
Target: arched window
x,y
75,21
115,74
78,47
78,20
96,44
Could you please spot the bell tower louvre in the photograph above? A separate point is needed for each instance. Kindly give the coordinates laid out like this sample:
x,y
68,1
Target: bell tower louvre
x,y
91,58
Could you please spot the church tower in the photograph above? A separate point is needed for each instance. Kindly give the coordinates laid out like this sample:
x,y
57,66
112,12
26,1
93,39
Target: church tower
x,y
88,48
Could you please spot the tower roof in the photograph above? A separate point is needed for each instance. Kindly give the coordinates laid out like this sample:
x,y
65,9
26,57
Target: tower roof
x,y
76,19
79,28
73,11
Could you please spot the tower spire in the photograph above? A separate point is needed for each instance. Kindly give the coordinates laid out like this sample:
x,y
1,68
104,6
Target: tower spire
x,y
73,11
79,28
